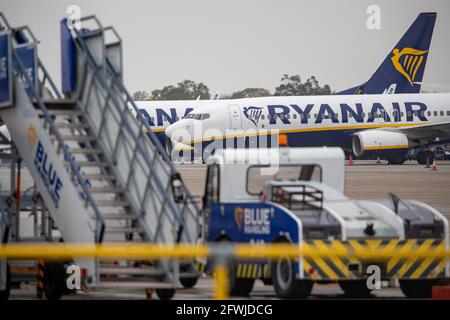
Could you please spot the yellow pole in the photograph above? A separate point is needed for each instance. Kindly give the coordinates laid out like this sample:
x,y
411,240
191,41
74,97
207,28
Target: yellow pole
x,y
221,282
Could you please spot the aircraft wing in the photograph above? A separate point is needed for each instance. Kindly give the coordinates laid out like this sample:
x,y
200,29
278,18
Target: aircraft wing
x,y
425,131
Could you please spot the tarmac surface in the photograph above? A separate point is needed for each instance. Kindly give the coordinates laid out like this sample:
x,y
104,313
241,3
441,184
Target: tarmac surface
x,y
202,291
364,180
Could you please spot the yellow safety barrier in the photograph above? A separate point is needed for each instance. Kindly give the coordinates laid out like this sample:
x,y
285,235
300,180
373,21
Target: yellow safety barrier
x,y
129,251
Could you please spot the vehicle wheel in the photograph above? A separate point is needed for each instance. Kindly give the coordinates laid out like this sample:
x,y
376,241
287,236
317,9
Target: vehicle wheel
x,y
54,280
396,160
284,281
423,156
188,282
417,288
165,294
355,288
240,287
4,294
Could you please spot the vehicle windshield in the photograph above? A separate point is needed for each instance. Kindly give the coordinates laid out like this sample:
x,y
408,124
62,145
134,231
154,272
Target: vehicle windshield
x,y
256,180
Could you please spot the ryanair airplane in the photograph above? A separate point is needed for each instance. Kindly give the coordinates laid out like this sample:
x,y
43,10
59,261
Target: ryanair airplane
x,y
400,72
381,125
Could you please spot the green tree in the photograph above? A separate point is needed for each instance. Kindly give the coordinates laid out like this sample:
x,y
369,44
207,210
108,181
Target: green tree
x,y
293,86
250,93
186,90
141,96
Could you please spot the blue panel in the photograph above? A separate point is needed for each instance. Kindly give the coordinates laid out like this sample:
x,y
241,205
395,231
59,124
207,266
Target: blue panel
x,y
27,56
6,96
68,60
330,138
252,222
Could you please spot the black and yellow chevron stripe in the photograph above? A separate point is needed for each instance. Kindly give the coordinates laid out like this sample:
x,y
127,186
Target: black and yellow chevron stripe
x,y
320,268
201,267
40,279
413,268
248,270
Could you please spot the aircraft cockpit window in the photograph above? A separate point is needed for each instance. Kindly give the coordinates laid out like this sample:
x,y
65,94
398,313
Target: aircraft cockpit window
x,y
202,116
190,116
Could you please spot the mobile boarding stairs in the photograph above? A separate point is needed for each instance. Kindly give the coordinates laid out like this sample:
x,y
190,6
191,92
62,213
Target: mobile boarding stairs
x,y
103,175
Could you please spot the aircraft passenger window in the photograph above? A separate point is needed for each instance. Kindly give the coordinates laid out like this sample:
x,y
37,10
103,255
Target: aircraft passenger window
x,y
429,113
350,115
363,115
262,117
422,113
315,115
336,115
401,114
288,116
309,116
369,114
294,116
448,112
435,113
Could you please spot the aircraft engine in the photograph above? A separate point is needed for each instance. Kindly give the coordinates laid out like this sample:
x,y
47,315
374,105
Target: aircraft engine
x,y
380,143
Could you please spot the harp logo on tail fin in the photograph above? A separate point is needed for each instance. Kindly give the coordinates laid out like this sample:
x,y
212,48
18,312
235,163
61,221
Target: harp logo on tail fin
x,y
408,61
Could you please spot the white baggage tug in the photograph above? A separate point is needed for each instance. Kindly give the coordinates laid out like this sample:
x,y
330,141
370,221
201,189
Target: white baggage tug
x,y
297,196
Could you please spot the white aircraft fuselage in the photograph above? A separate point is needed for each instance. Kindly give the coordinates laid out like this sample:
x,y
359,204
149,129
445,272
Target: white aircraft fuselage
x,y
386,124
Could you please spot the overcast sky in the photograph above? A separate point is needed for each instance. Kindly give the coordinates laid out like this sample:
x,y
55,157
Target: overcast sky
x,y
234,44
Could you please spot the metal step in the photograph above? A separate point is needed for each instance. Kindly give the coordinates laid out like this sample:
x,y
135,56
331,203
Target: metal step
x,y
77,138
117,216
111,203
98,176
135,284
102,190
85,151
132,271
88,164
71,125
57,104
122,230
61,112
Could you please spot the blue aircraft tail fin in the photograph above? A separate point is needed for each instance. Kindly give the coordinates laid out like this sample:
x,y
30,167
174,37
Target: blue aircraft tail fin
x,y
402,70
